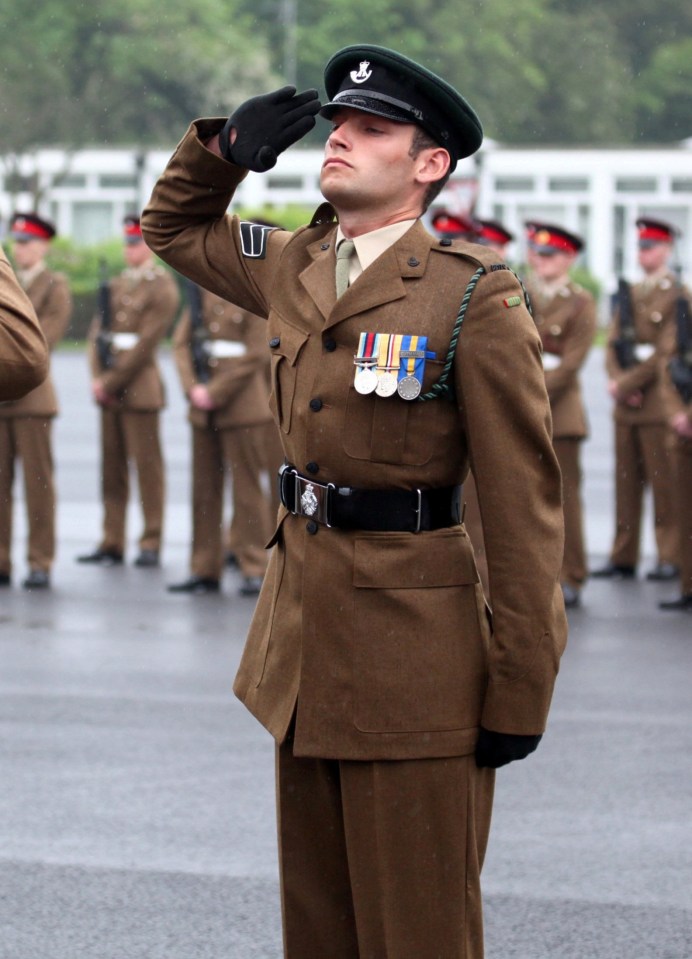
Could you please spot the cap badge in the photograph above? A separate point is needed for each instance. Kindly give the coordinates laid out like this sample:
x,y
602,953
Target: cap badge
x,y
362,74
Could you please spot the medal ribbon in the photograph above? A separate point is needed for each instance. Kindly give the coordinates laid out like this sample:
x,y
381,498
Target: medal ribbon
x,y
367,346
383,345
395,354
413,365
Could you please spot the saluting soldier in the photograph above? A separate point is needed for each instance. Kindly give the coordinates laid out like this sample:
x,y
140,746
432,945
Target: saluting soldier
x,y
370,658
221,357
26,424
565,315
127,386
644,314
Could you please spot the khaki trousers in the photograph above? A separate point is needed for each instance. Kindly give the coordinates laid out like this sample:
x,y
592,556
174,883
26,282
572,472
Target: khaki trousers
x,y
131,437
643,458
382,860
217,454
574,568
28,438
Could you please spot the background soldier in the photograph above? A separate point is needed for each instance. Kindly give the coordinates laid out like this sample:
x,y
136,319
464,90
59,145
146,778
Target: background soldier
x,y
225,382
127,386
565,315
635,357
370,657
26,424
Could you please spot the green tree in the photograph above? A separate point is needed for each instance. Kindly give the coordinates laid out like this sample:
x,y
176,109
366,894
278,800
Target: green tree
x,y
664,94
90,71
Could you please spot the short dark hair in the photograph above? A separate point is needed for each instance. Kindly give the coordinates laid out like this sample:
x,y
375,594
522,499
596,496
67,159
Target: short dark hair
x,y
423,141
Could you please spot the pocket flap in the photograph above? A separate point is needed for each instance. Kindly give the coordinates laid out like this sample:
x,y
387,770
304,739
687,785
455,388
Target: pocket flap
x,y
414,560
290,343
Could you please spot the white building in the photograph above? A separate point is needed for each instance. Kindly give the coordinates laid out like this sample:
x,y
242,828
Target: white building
x,y
598,193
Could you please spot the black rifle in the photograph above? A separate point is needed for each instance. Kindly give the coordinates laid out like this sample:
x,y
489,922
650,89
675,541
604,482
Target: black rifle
x,y
680,366
198,332
104,337
624,345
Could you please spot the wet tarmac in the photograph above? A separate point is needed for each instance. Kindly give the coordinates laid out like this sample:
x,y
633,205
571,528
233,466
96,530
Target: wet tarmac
x,y
136,795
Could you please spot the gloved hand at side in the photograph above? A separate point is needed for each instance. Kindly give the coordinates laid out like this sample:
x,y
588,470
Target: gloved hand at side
x,y
266,126
497,749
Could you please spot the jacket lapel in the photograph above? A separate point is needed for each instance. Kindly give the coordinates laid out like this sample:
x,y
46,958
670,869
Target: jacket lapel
x,y
382,282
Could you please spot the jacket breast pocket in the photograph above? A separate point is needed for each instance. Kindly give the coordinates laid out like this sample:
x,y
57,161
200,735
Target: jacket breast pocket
x,y
419,633
393,430
284,356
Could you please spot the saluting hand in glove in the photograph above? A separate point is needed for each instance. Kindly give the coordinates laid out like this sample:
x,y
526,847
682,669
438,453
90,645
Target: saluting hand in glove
x,y
265,126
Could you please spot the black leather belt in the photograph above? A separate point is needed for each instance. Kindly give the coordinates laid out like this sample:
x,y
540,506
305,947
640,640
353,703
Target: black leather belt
x,y
377,510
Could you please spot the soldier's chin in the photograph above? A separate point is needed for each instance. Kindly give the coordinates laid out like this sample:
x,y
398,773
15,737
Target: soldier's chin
x,y
341,195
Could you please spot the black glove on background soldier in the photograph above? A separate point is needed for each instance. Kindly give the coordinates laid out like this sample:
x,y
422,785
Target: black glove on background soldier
x,y
266,126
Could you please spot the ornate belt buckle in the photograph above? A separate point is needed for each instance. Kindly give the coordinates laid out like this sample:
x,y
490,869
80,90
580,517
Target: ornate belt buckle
x,y
313,499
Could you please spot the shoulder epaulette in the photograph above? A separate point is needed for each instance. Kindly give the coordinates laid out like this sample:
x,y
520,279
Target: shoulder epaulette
x,y
323,215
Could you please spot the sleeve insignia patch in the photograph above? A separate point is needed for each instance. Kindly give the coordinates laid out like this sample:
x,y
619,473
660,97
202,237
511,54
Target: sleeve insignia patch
x,y
513,301
253,239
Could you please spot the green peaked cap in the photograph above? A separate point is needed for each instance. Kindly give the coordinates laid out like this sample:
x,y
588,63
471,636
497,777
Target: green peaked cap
x,y
388,84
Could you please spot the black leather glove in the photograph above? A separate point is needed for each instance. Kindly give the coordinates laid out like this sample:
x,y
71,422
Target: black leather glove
x,y
267,125
498,749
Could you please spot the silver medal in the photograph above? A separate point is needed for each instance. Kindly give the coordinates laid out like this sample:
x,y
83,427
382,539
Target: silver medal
x,y
365,380
386,384
409,388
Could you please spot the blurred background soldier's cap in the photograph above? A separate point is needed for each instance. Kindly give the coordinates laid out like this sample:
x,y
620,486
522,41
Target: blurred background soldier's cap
x,y
550,238
30,226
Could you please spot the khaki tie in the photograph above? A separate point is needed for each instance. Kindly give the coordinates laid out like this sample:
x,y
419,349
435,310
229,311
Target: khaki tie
x,y
344,252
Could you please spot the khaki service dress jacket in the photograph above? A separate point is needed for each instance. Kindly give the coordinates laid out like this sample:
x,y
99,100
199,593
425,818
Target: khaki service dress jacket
x,y
653,309
143,305
379,643
566,323
51,298
237,383
23,347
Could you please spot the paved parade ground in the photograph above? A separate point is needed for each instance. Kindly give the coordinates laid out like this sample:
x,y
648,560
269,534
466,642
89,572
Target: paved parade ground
x,y
136,795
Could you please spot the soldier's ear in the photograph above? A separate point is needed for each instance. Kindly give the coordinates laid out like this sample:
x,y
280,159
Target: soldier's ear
x,y
432,164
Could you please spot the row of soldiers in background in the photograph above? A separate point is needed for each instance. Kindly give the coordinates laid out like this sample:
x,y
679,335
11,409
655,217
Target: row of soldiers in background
x,y
222,361
220,353
649,366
